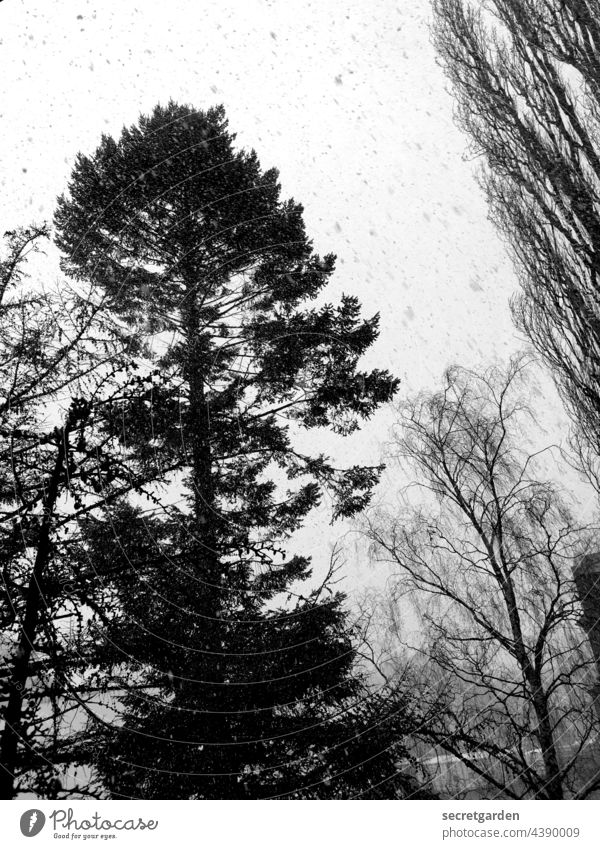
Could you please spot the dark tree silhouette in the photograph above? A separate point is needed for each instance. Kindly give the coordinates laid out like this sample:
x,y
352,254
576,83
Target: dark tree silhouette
x,y
279,710
65,365
242,693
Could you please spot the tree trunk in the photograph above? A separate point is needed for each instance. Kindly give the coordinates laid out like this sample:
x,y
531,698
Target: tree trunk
x,y
553,783
20,671
199,437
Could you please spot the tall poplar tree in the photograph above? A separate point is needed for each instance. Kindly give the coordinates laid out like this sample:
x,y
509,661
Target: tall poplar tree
x,y
526,78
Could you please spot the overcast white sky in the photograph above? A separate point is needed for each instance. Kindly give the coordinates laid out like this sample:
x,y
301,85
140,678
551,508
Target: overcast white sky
x,y
343,96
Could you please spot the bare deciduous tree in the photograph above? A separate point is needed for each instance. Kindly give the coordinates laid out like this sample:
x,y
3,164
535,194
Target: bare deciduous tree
x,y
66,370
503,669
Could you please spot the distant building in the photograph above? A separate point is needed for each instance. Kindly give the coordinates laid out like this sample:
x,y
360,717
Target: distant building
x,y
587,579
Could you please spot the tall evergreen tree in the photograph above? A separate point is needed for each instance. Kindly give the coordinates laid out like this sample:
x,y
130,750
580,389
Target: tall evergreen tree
x,y
238,693
262,701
